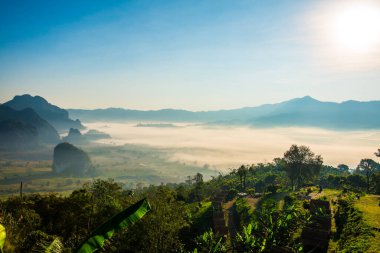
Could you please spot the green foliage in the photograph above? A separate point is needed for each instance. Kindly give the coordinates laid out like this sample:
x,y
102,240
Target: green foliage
x,y
2,237
343,167
244,212
355,182
246,242
208,242
368,167
38,241
352,232
271,228
120,221
160,230
272,188
301,164
250,191
55,246
200,220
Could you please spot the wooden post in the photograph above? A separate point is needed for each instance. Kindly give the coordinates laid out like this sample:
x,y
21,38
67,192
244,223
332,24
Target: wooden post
x,y
21,190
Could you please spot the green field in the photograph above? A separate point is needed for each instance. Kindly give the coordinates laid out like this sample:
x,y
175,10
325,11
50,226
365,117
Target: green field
x,y
132,165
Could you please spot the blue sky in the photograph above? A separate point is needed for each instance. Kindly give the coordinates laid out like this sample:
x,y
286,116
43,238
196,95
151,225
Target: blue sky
x,y
198,55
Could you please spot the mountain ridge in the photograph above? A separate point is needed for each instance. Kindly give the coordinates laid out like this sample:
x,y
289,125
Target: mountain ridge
x,y
304,111
56,116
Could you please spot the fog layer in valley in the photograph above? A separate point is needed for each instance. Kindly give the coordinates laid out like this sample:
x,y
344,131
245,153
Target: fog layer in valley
x,y
224,147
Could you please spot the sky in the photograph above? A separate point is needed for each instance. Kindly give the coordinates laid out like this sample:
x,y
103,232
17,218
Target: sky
x,y
189,54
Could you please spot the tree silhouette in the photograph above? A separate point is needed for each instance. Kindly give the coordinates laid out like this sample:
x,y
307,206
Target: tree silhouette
x,y
301,164
242,172
368,167
198,178
343,167
377,153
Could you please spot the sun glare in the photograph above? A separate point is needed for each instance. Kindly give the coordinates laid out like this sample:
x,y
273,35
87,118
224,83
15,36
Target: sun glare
x,y
357,28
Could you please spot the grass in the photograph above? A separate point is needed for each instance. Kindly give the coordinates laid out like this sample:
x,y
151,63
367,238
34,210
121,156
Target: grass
x,y
369,205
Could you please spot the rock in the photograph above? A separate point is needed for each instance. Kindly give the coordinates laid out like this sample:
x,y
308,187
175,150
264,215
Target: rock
x,y
74,136
70,160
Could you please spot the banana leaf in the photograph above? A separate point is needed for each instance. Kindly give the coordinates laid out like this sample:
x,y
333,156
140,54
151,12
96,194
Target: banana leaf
x,y
2,237
119,221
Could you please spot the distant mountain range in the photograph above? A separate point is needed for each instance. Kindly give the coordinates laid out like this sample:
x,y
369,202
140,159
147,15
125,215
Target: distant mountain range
x,y
24,128
305,111
57,117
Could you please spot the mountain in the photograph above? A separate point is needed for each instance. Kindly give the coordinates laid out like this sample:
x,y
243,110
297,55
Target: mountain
x,y
28,119
71,161
15,135
57,117
75,137
305,111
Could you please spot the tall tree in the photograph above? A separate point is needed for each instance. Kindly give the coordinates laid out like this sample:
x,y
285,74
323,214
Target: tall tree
x,y
301,164
198,178
242,172
368,167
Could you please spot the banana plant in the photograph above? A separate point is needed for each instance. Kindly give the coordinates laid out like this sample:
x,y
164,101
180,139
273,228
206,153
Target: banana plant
x,y
209,242
2,237
122,220
55,246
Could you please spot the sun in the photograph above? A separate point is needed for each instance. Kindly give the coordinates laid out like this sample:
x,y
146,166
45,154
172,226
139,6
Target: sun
x,y
357,27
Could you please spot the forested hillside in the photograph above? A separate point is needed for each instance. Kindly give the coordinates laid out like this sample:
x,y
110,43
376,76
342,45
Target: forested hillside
x,y
293,204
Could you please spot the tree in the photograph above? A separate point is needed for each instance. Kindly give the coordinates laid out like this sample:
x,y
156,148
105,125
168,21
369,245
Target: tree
x,y
377,153
368,167
198,178
301,164
160,230
343,167
242,172
356,182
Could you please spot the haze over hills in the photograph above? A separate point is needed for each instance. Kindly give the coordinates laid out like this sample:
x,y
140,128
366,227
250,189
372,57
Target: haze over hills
x,y
57,117
27,125
305,111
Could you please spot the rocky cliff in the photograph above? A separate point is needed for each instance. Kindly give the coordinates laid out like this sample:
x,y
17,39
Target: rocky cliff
x,y
70,160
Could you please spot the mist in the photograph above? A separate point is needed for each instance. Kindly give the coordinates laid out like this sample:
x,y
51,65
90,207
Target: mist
x,y
225,147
